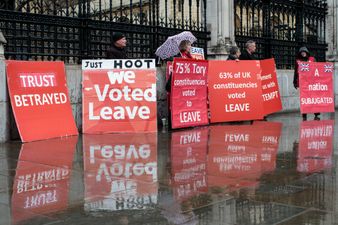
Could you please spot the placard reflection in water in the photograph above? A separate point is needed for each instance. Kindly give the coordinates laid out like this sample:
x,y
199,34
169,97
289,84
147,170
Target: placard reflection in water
x,y
120,171
42,178
232,157
315,146
188,162
239,155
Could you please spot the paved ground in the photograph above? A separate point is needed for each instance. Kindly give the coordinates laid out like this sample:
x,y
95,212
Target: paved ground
x,y
282,171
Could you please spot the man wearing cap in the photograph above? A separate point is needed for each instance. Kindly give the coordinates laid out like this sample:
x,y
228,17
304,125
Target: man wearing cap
x,y
118,48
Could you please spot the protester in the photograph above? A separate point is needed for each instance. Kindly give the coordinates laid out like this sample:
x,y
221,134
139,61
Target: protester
x,y
234,53
248,53
184,47
117,50
303,56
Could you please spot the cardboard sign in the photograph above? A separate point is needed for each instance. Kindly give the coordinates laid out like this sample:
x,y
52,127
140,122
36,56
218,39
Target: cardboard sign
x,y
120,171
316,87
235,91
119,96
315,146
189,93
271,96
42,178
197,53
188,163
39,98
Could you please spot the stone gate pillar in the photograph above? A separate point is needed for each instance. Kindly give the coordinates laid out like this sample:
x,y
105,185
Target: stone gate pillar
x,y
4,103
221,24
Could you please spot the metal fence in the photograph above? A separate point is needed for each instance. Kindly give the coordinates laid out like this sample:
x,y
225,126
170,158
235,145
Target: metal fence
x,y
281,27
71,30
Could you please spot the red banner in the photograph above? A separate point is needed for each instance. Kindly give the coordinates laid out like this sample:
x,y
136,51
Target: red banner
x,y
39,99
119,96
316,87
235,91
120,171
188,163
315,146
42,178
271,96
189,93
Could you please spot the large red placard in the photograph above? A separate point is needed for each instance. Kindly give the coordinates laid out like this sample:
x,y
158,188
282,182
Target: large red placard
x,y
235,91
189,93
119,96
39,98
316,87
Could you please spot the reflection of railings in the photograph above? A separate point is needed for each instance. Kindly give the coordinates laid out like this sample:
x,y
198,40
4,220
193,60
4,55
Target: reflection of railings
x,y
71,30
281,27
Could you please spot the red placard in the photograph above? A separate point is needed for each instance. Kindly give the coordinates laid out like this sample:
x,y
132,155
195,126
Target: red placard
x,y
42,178
119,96
188,163
189,93
120,171
271,96
235,91
316,87
39,99
315,146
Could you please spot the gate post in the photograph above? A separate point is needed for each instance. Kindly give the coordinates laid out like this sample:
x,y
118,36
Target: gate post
x,y
4,103
222,27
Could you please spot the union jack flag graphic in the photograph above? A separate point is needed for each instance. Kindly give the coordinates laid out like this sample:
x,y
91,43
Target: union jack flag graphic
x,y
328,68
304,67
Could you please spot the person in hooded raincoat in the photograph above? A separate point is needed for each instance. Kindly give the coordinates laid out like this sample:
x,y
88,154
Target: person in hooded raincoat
x,y
303,56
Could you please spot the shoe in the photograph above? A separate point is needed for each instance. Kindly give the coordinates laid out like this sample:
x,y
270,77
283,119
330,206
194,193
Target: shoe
x,y
316,118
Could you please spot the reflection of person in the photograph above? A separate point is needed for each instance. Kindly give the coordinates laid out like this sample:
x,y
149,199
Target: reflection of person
x,y
118,48
234,53
248,53
303,56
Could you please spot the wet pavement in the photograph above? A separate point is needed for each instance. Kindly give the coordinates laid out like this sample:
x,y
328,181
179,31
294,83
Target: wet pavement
x,y
280,171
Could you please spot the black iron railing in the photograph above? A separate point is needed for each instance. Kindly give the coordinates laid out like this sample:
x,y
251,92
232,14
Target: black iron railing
x,y
280,27
71,30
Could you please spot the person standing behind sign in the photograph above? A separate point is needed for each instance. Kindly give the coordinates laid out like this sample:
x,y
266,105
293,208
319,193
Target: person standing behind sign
x,y
184,47
248,53
117,50
234,53
303,56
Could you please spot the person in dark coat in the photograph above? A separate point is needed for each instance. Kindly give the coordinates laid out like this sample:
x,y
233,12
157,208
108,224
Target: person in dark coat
x,y
303,56
234,53
248,53
118,48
